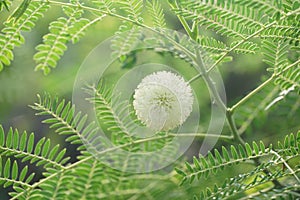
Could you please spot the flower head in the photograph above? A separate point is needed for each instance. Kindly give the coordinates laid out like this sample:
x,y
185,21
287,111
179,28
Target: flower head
x,y
163,100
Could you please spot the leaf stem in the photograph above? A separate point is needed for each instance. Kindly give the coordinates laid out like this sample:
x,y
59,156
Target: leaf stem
x,y
276,183
209,82
201,135
236,136
286,165
229,113
192,32
252,93
261,86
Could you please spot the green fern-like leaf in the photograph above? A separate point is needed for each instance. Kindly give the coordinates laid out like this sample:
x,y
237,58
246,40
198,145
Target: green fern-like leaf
x,y
125,41
212,45
290,146
285,74
275,54
128,35
288,76
106,5
133,9
10,174
215,46
116,117
63,30
20,10
11,36
288,105
64,119
257,177
271,8
56,187
283,32
222,17
114,114
202,167
245,48
233,187
180,46
23,147
89,184
157,13
78,29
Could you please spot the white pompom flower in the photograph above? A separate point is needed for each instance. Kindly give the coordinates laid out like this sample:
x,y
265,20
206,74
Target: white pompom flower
x,y
163,101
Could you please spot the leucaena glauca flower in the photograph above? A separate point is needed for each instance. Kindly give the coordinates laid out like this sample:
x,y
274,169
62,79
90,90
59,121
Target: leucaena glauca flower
x,y
163,101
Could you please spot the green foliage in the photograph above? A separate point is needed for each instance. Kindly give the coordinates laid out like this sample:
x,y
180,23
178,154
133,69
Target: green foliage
x,y
113,113
283,32
157,13
4,4
11,36
224,17
276,158
65,120
125,41
271,8
109,151
23,147
88,177
286,73
54,43
234,186
20,10
106,5
10,174
117,120
275,54
133,9
203,167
